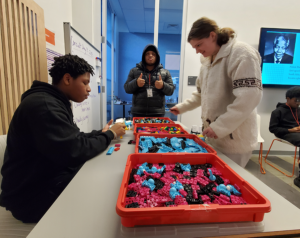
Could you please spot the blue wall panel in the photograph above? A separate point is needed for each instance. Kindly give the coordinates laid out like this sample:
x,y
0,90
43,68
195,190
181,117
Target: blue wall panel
x,y
130,50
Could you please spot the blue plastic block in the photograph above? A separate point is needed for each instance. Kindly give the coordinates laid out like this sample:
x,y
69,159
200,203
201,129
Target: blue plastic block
x,y
211,176
110,151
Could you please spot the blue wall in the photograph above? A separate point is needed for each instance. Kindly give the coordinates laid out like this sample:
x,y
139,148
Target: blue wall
x,y
130,50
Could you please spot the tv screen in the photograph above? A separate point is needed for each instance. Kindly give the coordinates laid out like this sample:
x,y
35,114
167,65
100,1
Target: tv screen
x,y
280,53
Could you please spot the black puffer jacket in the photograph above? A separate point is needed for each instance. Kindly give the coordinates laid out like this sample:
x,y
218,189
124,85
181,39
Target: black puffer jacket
x,y
282,120
141,104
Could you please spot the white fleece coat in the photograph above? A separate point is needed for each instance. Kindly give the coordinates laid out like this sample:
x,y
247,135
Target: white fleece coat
x,y
229,89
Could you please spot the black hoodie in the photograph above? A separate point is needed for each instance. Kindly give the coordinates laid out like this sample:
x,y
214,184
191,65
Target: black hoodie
x,y
42,143
141,104
282,119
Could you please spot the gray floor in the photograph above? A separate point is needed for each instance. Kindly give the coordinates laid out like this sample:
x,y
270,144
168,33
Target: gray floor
x,y
276,180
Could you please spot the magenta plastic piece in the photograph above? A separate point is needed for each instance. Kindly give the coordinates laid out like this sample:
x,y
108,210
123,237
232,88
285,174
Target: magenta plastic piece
x,y
184,193
195,194
237,187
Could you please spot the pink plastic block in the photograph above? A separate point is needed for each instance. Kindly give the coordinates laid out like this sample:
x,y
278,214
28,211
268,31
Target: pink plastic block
x,y
200,172
156,175
214,171
186,173
237,187
205,198
195,187
202,182
184,193
117,145
180,200
195,194
224,197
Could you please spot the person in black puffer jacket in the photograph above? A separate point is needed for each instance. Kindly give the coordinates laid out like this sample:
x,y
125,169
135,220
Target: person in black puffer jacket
x,y
284,122
149,82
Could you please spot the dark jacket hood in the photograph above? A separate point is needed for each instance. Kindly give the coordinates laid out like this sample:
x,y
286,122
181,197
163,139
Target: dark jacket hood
x,y
280,104
38,86
283,105
153,48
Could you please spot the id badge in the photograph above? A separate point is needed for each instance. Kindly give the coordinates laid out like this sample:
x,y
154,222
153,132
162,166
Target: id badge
x,y
149,93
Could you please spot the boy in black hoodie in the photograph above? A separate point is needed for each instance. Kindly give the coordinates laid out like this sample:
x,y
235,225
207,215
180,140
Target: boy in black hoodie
x,y
284,122
45,148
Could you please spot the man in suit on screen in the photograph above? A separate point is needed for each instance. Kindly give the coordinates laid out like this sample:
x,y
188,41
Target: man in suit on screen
x,y
279,56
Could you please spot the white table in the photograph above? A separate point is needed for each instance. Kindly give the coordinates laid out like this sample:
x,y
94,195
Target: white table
x,y
87,207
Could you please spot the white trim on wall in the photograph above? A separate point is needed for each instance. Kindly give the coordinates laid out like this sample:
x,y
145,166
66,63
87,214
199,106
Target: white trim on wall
x,y
156,21
182,53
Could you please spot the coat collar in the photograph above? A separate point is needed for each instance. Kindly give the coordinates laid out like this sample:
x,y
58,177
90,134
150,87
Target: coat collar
x,y
223,52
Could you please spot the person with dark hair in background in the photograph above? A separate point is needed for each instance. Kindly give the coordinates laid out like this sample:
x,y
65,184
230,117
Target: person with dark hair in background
x,y
279,56
284,122
149,82
45,148
228,89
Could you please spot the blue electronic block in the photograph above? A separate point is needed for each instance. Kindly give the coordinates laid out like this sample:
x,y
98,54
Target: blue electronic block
x,y
110,151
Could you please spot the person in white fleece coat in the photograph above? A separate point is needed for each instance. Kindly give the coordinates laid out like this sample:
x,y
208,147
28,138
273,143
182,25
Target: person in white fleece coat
x,y
228,89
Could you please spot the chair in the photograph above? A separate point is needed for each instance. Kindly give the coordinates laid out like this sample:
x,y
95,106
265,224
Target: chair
x,y
295,157
261,141
9,226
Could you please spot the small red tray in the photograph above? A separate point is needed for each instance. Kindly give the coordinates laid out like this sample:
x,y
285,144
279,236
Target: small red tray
x,y
162,118
135,133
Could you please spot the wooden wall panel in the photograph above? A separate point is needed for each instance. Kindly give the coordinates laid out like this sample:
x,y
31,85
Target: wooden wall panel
x,y
22,53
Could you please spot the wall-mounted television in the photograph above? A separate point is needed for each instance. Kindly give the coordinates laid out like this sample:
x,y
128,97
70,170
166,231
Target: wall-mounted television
x,y
280,53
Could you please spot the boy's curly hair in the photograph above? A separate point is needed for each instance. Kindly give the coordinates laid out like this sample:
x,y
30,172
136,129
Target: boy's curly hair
x,y
71,64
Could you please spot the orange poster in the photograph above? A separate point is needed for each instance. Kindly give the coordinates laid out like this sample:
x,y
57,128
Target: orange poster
x,y
50,36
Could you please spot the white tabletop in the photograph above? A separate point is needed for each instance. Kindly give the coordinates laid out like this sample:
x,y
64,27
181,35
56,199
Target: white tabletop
x,y
87,207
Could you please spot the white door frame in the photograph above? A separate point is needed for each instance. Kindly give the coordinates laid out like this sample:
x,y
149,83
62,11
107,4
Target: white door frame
x,y
182,53
104,63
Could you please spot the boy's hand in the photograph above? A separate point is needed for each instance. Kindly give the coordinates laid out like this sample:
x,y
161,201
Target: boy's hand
x,y
119,128
159,83
174,110
140,81
107,126
295,130
209,133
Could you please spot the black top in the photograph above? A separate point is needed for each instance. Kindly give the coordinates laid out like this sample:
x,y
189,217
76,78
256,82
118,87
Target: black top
x,y
282,119
43,142
141,104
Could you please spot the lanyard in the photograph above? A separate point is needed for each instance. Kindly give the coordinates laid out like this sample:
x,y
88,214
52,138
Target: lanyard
x,y
149,79
293,114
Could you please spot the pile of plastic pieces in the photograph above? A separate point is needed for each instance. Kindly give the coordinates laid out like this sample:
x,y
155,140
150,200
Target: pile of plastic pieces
x,y
169,185
160,130
151,120
150,144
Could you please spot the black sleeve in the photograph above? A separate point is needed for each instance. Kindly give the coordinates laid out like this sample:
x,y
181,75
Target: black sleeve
x,y
168,88
275,127
93,133
131,85
61,142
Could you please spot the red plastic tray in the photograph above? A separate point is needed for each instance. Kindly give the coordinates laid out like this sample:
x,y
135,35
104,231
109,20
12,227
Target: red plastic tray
x,y
189,136
165,118
254,211
135,133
